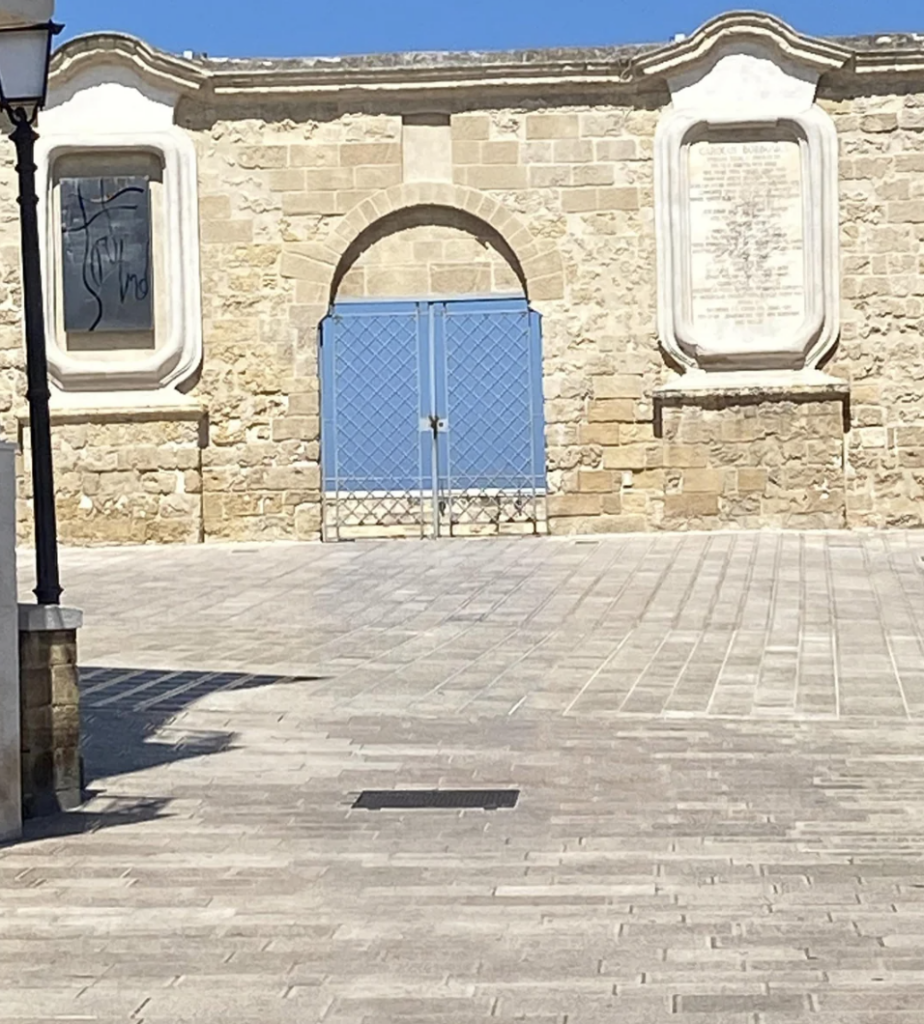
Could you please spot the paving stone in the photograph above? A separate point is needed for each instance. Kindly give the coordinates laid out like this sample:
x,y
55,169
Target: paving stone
x,y
709,828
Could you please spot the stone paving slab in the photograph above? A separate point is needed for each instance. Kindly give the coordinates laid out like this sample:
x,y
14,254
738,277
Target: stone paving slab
x,y
798,626
703,834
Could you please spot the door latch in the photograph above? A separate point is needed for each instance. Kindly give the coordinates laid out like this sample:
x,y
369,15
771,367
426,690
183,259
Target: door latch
x,y
437,424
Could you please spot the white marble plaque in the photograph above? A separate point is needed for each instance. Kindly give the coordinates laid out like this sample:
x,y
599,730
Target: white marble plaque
x,y
746,205
747,271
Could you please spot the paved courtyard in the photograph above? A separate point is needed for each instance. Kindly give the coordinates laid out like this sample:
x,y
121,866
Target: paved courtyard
x,y
719,742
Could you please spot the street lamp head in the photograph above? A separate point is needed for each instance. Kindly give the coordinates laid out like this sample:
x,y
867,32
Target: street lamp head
x,y
25,53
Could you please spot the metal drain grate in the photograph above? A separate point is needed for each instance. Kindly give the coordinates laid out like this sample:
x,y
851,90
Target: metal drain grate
x,y
414,799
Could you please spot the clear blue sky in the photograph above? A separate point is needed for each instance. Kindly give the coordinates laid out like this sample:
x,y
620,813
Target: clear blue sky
x,y
271,28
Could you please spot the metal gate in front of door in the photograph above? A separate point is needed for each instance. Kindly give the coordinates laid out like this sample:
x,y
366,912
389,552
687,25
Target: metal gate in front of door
x,y
432,419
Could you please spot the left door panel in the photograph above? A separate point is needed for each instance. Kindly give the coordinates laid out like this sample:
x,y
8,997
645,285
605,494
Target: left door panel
x,y
376,455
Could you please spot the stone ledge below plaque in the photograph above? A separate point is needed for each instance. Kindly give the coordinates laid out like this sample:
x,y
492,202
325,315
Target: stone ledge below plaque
x,y
120,406
753,386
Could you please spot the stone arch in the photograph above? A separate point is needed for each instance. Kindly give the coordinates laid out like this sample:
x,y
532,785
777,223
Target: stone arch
x,y
537,261
428,251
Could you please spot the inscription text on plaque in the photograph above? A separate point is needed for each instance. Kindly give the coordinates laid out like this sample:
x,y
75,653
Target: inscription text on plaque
x,y
747,267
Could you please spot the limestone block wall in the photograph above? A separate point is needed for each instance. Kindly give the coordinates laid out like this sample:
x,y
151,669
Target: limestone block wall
x,y
122,479
747,463
305,199
272,188
582,177
882,336
275,190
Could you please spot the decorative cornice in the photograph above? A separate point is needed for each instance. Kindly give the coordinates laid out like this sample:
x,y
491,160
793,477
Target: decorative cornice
x,y
744,27
347,81
161,68
525,70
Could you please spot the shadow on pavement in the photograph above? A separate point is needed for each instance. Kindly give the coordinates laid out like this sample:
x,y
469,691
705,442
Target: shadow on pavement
x,y
127,715
112,812
128,724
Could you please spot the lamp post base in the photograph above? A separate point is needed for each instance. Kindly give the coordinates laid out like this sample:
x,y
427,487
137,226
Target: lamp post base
x,y
49,709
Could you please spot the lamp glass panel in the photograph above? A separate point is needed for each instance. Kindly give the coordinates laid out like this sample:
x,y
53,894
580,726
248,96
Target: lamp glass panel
x,y
24,64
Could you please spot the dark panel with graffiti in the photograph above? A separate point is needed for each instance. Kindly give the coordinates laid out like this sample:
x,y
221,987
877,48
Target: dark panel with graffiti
x,y
106,235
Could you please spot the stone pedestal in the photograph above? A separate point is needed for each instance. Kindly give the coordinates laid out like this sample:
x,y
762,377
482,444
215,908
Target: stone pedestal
x,y
50,709
753,450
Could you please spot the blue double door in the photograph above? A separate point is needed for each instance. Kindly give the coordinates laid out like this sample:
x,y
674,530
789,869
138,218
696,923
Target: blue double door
x,y
432,414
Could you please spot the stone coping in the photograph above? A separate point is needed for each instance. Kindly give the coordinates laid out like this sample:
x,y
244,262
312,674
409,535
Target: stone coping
x,y
71,407
763,384
885,53
47,618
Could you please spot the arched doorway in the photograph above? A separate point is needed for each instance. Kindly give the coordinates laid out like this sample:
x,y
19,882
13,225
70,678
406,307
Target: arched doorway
x,y
431,384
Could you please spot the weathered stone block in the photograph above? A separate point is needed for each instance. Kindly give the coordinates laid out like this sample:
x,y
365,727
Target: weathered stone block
x,y
358,154
291,179
283,478
552,126
306,203
496,176
228,232
685,456
572,151
506,152
618,199
384,176
611,410
579,200
591,174
613,504
314,155
470,126
262,157
614,385
709,480
627,456
697,504
574,504
215,207
598,480
751,479
607,433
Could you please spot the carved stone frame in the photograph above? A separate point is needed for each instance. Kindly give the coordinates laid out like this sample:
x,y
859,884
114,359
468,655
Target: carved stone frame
x,y
180,353
817,138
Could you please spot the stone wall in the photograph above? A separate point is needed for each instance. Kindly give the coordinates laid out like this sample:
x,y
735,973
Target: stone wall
x,y
428,252
304,199
882,334
275,189
123,478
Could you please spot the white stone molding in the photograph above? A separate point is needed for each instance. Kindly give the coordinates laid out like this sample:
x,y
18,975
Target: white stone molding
x,y
112,109
748,271
730,345
745,384
747,226
740,29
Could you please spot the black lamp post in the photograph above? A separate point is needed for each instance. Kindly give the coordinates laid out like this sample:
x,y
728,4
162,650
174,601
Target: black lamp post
x,y
25,53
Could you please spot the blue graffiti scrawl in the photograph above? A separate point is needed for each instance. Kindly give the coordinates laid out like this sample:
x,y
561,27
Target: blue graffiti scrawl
x,y
106,236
